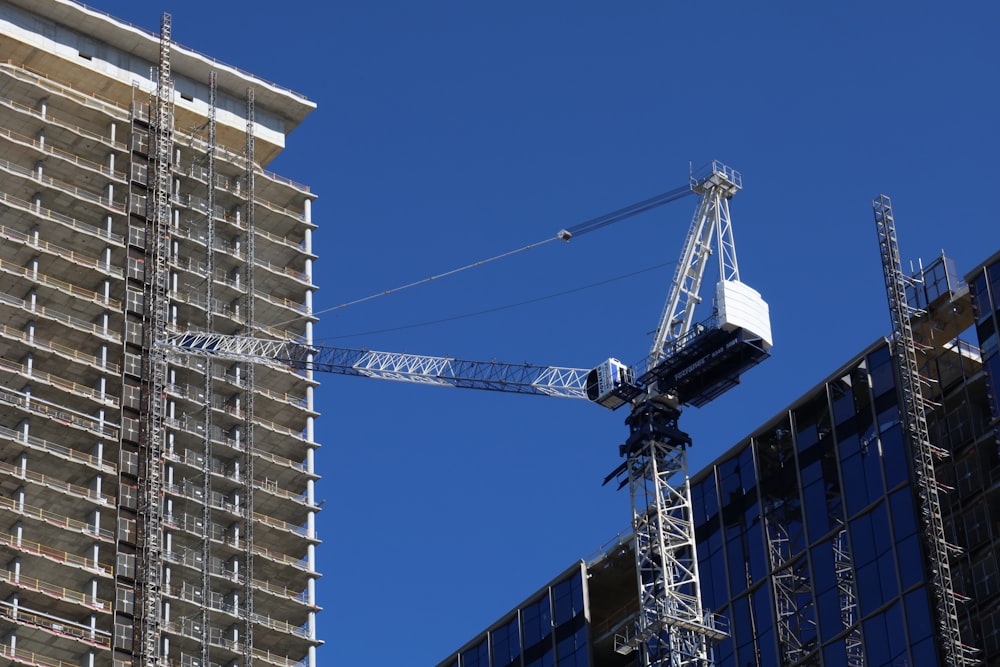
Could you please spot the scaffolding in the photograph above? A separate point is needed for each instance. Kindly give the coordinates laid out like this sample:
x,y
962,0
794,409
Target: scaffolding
x,y
914,419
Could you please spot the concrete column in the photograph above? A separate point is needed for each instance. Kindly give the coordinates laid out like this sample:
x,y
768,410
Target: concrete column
x,y
19,498
39,169
29,362
43,107
36,200
41,138
112,132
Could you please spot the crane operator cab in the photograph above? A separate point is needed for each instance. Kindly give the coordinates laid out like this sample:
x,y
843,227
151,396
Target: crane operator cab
x,y
612,384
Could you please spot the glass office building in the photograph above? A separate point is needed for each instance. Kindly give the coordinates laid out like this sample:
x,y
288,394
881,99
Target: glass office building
x,y
810,536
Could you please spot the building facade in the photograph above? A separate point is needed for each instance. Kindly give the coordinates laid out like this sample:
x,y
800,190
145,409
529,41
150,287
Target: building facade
x,y
809,531
152,504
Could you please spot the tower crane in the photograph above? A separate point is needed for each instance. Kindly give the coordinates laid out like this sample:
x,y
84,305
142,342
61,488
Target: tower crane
x,y
690,363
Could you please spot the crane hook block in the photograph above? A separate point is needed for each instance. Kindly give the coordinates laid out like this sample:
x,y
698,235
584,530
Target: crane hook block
x,y
612,384
564,235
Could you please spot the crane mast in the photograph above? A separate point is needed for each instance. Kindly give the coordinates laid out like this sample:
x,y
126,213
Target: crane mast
x,y
690,363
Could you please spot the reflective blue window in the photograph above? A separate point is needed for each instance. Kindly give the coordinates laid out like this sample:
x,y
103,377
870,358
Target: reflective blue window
x,y
741,622
537,620
571,651
711,567
741,517
818,469
703,496
987,333
980,297
568,598
835,654
880,368
897,468
877,641
993,369
760,602
910,560
918,615
477,656
896,634
507,644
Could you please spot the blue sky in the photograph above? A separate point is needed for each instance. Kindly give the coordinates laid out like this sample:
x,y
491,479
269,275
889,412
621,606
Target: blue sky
x,y
448,132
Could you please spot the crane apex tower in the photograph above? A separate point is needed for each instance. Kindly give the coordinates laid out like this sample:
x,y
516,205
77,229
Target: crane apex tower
x,y
156,510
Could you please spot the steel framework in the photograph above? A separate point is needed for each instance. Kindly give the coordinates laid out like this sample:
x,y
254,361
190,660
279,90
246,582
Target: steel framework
x,y
420,369
673,629
913,415
716,184
150,525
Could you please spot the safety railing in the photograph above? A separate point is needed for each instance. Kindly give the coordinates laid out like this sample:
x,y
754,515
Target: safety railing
x,y
70,256
54,590
51,554
56,484
62,350
58,382
55,449
65,220
46,149
53,519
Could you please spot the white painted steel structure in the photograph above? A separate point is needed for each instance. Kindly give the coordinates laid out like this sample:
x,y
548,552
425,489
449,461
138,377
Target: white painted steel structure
x,y
416,368
716,184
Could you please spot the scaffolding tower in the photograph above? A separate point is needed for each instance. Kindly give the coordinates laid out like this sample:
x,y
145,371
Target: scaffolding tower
x,y
924,453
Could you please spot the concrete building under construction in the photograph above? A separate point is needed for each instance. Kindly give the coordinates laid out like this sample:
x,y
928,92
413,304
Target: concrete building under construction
x,y
154,508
